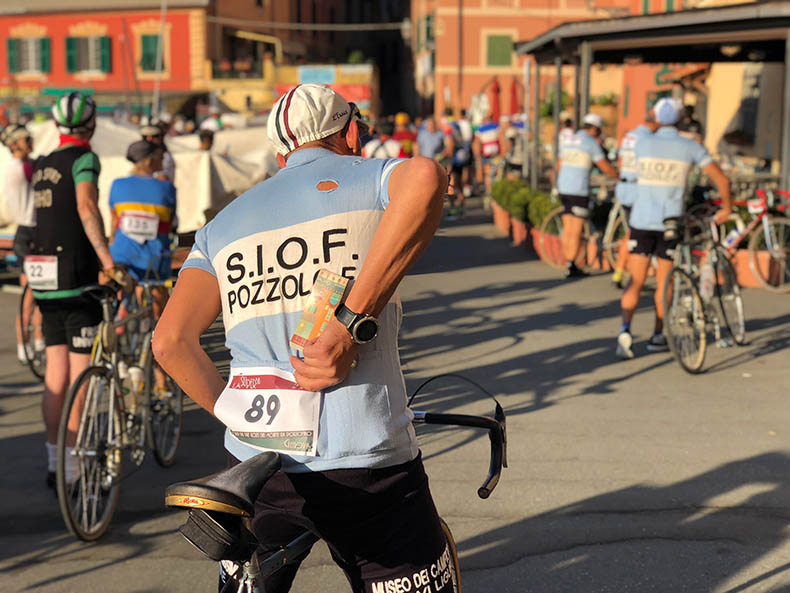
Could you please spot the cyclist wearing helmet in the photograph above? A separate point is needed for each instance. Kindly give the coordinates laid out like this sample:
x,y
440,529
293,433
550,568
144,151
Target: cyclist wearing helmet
x,y
356,476
404,134
154,132
19,198
69,250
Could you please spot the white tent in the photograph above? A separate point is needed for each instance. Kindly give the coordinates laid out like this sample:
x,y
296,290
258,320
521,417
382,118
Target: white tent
x,y
205,181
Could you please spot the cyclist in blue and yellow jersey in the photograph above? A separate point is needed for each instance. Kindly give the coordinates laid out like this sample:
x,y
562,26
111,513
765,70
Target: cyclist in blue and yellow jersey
x,y
68,251
625,190
663,162
143,210
351,469
577,156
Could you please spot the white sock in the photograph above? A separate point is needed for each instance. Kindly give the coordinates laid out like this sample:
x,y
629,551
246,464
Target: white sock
x,y
20,353
39,345
52,460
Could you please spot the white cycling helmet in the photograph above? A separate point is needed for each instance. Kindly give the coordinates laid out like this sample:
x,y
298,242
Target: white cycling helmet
x,y
74,113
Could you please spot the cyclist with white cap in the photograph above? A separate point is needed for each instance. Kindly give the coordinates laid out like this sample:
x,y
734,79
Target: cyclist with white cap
x,y
625,190
356,476
69,250
578,154
663,161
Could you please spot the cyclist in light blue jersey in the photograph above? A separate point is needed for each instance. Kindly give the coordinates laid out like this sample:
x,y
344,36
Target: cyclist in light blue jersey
x,y
352,472
625,190
577,156
663,161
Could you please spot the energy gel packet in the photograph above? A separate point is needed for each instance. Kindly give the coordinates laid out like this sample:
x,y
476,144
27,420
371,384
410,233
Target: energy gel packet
x,y
325,296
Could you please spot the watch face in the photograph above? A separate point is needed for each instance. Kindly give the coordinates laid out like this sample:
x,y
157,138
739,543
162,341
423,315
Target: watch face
x,y
366,330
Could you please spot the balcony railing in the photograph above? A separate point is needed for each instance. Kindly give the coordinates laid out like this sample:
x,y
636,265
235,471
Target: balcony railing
x,y
237,69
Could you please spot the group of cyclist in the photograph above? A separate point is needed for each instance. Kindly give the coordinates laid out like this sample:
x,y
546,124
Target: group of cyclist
x,y
62,244
654,163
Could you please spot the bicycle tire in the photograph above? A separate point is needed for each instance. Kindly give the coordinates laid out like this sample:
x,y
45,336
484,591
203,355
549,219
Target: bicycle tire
x,y
455,569
550,250
774,274
165,416
36,363
683,309
87,505
613,238
728,294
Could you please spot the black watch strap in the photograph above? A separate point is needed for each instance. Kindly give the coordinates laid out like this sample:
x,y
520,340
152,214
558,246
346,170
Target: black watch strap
x,y
346,316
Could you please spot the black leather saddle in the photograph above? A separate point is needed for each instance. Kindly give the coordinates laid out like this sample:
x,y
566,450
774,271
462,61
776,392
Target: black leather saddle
x,y
232,491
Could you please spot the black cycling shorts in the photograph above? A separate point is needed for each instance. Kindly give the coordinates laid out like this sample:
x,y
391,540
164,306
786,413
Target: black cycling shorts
x,y
73,323
648,243
380,524
23,242
577,206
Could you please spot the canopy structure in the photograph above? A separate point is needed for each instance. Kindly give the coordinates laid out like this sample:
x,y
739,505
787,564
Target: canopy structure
x,y
757,32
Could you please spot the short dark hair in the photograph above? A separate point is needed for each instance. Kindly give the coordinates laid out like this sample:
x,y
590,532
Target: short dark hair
x,y
448,110
206,134
463,112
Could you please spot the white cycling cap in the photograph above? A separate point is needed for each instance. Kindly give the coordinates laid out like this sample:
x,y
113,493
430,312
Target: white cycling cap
x,y
306,113
668,110
593,119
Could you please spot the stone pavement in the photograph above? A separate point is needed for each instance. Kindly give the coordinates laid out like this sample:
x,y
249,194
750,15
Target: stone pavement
x,y
624,476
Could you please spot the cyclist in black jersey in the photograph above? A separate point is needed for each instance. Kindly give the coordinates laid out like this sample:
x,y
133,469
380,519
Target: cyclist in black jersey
x,y
69,249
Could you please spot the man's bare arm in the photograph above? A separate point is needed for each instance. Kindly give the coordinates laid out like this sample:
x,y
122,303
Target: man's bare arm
x,y
176,343
88,210
606,168
719,179
416,189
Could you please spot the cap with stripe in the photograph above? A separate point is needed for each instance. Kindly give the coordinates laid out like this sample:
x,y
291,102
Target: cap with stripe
x,y
306,113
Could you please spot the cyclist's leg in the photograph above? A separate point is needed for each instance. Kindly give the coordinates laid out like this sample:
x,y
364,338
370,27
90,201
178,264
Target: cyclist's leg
x,y
664,254
637,265
81,324
391,533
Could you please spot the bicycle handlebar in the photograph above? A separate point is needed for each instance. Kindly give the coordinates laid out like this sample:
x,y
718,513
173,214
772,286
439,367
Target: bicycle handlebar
x,y
497,434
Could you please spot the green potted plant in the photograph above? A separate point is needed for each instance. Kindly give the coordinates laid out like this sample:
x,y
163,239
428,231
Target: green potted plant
x,y
517,206
500,194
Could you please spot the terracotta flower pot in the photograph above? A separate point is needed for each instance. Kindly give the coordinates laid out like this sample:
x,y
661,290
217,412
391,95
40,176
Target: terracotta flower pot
x,y
501,218
519,228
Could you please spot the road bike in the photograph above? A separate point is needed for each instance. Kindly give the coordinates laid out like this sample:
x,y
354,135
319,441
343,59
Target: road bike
x,y
30,320
768,234
221,505
607,240
702,292
120,404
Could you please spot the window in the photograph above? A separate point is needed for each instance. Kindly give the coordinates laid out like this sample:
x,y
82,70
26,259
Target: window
x,y
150,46
88,54
29,55
499,50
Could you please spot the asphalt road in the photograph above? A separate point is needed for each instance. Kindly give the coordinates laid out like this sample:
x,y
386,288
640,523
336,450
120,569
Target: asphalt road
x,y
624,476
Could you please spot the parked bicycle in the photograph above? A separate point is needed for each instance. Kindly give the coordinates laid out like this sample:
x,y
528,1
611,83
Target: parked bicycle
x,y
221,505
768,234
702,292
121,403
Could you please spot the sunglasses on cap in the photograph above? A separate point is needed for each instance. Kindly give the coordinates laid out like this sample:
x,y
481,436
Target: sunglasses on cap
x,y
354,113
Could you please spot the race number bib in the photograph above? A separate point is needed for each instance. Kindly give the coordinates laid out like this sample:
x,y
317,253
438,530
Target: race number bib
x,y
264,408
139,226
42,271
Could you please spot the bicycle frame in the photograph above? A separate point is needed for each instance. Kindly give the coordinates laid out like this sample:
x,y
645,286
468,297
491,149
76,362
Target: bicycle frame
x,y
767,201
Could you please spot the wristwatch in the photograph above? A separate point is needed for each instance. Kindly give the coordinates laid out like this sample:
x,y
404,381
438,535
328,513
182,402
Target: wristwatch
x,y
363,328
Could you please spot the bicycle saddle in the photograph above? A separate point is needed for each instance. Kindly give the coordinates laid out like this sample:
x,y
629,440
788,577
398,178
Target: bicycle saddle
x,y
100,290
231,491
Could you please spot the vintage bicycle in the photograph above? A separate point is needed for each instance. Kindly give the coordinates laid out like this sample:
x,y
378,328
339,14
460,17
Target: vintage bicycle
x,y
122,403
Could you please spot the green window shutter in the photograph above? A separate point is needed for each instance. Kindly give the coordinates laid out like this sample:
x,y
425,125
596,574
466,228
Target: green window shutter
x,y
500,50
46,63
13,55
71,54
106,55
149,46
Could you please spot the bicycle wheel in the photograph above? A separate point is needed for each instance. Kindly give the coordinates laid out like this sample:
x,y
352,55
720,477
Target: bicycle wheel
x,y
87,503
613,238
551,245
684,321
728,294
166,408
36,359
768,254
455,570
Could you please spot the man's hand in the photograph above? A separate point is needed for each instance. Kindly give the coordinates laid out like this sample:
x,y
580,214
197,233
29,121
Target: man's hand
x,y
327,359
120,276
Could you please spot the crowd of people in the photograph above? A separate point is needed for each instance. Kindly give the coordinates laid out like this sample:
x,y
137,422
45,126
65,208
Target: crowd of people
x,y
62,244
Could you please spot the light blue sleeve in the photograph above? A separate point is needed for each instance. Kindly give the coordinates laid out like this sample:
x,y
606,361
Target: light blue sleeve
x,y
199,257
700,155
384,192
596,152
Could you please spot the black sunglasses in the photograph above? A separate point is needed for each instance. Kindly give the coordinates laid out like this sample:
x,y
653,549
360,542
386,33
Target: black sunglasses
x,y
353,112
